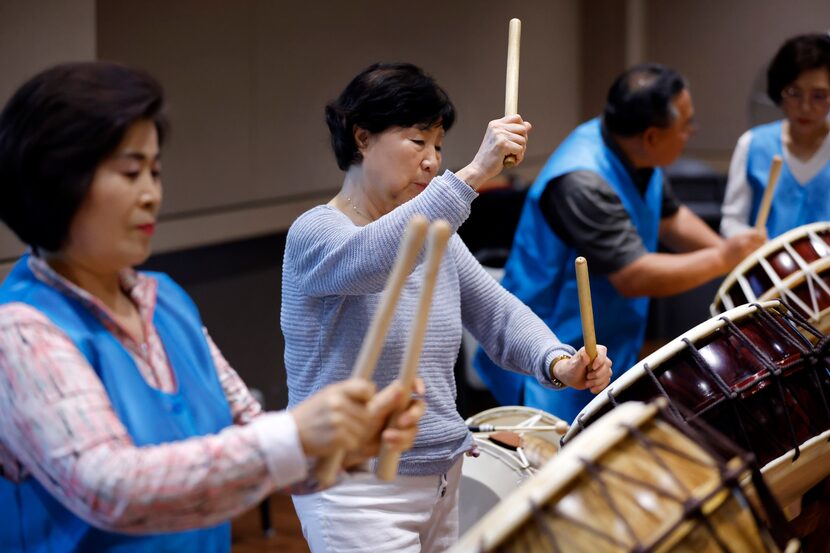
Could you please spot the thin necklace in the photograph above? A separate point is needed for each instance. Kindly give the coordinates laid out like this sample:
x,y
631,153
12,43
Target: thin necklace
x,y
354,207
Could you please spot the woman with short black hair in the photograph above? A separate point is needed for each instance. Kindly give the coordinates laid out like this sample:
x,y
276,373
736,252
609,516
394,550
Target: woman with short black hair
x,y
798,81
123,427
387,130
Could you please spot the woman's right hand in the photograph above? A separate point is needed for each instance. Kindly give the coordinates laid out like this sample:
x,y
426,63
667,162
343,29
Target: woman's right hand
x,y
335,418
504,137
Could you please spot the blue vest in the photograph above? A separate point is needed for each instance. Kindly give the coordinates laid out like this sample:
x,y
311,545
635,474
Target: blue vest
x,y
32,519
793,204
540,272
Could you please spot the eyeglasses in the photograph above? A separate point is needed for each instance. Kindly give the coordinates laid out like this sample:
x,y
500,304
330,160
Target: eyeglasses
x,y
795,96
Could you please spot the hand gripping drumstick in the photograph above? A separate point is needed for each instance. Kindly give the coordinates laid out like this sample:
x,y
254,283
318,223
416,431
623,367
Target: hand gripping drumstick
x,y
439,234
511,91
367,358
766,201
586,310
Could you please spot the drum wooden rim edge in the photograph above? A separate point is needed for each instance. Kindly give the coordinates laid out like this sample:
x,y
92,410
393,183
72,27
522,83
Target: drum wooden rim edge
x,y
752,259
675,346
482,416
505,517
794,279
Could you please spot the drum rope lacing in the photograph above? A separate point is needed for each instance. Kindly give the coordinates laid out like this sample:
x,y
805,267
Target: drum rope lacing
x,y
692,507
813,356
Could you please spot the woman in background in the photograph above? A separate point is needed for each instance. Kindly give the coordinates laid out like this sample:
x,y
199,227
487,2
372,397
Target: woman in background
x,y
123,427
798,81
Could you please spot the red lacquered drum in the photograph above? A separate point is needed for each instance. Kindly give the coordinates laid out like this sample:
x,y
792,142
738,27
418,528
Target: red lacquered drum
x,y
635,481
759,375
794,267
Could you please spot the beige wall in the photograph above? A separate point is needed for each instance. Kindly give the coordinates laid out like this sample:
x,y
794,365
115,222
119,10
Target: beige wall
x,y
33,36
247,82
722,47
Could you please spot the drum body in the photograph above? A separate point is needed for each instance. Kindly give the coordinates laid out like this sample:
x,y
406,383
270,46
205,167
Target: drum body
x,y
634,481
794,267
753,374
498,471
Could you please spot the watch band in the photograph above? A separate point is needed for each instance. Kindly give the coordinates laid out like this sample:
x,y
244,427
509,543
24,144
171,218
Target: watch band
x,y
558,384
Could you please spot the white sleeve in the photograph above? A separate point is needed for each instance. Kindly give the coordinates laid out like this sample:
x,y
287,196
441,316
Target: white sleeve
x,y
279,439
738,198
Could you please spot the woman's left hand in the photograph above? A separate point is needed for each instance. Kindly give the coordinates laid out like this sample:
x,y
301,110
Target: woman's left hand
x,y
580,373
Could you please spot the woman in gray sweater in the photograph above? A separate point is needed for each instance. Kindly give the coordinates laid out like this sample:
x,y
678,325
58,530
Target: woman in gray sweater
x,y
387,129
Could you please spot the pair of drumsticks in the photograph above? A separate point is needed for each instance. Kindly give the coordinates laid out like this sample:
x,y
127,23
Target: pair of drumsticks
x,y
511,107
418,230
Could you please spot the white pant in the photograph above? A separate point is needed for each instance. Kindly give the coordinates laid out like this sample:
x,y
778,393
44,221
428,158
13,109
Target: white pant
x,y
412,514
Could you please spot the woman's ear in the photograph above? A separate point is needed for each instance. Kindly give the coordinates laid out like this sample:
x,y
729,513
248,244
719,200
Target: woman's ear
x,y
361,138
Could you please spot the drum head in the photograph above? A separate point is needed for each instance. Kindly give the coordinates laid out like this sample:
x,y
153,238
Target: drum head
x,y
486,480
518,415
625,485
794,267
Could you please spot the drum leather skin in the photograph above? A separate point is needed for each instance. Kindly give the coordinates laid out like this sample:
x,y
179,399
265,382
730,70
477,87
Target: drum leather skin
x,y
634,481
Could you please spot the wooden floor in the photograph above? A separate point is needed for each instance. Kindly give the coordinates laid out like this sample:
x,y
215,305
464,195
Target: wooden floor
x,y
286,537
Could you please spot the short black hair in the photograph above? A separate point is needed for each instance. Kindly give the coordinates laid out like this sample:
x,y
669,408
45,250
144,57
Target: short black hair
x,y
800,53
382,96
641,98
54,132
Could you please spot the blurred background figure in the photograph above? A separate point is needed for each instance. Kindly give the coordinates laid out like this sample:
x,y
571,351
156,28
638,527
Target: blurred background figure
x,y
603,195
798,82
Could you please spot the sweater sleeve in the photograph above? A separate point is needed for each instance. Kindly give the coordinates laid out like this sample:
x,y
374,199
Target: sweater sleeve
x,y
328,255
737,200
511,334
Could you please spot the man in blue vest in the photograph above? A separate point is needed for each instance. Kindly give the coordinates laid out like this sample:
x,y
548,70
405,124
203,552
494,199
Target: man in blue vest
x,y
602,195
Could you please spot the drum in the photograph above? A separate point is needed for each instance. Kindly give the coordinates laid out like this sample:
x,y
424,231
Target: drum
x,y
633,481
794,267
759,375
497,471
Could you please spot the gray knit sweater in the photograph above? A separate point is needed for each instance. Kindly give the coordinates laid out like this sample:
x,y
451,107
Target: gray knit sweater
x,y
333,275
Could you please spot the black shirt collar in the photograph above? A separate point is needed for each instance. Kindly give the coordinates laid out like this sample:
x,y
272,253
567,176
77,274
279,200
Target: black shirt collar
x,y
640,177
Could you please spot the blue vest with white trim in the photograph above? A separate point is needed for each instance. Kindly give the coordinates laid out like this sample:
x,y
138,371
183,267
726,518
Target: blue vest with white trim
x,y
793,204
33,520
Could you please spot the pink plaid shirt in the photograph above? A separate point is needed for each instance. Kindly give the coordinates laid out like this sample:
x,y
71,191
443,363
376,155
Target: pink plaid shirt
x,y
58,425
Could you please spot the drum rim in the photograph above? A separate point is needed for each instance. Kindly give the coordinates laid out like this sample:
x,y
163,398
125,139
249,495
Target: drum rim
x,y
509,409
798,278
752,259
555,475
788,457
558,475
656,358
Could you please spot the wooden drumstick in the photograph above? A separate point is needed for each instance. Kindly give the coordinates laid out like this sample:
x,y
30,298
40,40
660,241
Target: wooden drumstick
x,y
766,201
364,367
586,310
439,234
511,92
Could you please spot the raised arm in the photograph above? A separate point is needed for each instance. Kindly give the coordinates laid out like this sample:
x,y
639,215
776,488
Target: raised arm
x,y
328,255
